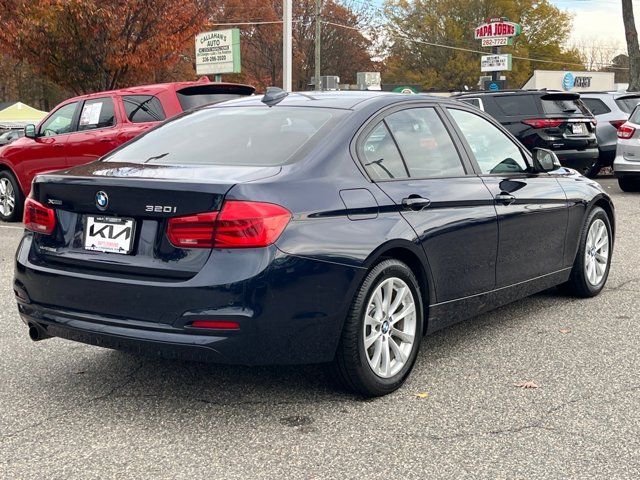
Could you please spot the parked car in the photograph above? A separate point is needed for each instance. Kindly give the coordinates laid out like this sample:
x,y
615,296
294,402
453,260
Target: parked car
x,y
318,227
10,136
557,121
626,165
611,110
84,128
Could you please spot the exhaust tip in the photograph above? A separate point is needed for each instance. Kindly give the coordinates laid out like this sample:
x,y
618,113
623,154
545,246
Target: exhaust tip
x,y
36,333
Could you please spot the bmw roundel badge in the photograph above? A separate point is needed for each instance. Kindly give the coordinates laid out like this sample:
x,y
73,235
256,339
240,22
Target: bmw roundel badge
x,y
102,200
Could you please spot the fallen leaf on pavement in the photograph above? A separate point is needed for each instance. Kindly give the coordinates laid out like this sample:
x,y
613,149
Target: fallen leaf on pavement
x,y
422,395
565,330
528,384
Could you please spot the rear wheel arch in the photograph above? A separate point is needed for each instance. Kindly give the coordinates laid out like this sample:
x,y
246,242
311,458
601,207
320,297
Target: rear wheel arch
x,y
416,260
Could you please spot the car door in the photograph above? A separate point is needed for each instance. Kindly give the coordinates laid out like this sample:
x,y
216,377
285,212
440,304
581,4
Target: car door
x,y
46,152
412,157
96,134
532,207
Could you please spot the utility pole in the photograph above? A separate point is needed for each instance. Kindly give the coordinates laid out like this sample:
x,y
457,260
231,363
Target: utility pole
x,y
287,44
317,53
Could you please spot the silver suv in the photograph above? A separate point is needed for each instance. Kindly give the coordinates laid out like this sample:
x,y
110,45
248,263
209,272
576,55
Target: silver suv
x,y
611,109
627,163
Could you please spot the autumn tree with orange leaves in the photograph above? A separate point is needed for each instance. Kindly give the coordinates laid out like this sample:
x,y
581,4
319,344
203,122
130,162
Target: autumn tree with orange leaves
x,y
92,45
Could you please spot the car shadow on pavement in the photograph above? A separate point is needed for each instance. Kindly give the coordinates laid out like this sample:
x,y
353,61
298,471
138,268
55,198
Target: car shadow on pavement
x,y
108,375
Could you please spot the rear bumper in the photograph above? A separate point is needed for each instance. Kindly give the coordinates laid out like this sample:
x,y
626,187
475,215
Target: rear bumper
x,y
290,309
626,168
577,159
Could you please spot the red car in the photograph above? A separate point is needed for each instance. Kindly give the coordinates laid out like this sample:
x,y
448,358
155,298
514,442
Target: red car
x,y
84,128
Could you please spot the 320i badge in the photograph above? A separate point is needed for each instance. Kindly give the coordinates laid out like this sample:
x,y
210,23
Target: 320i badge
x,y
332,227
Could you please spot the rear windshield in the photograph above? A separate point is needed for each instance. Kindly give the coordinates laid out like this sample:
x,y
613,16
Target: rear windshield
x,y
635,116
252,136
200,95
564,104
627,104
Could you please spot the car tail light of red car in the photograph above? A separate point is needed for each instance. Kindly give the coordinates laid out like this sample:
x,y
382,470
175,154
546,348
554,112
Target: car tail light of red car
x,y
626,131
240,224
544,122
38,218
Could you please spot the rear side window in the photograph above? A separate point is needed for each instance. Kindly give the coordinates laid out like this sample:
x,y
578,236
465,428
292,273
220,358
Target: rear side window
x,y
563,104
627,104
143,108
97,113
382,160
597,106
425,144
512,105
476,102
251,136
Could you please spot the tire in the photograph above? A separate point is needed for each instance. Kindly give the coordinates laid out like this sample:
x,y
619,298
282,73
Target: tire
x,y
580,282
11,198
353,362
629,184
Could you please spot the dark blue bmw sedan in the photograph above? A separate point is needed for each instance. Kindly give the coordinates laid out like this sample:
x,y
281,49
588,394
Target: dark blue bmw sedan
x,y
300,228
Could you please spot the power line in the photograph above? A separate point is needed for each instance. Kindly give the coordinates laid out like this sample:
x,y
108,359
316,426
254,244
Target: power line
x,y
470,50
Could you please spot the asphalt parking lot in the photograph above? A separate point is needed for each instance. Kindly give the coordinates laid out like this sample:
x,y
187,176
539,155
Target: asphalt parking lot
x,y
73,411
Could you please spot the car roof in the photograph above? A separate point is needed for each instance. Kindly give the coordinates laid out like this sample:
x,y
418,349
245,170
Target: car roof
x,y
156,88
350,100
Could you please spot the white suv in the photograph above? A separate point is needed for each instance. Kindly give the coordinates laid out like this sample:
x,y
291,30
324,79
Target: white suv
x,y
627,162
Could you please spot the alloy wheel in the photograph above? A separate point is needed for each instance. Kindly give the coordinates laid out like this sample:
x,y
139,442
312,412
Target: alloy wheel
x,y
596,252
7,197
389,327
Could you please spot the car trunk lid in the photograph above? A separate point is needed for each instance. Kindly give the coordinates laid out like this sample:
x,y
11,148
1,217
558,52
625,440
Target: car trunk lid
x,y
112,217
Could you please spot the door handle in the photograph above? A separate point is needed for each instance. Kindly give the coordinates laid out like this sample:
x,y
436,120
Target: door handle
x,y
505,198
415,202
57,145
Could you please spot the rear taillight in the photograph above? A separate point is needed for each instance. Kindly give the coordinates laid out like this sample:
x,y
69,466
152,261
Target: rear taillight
x,y
543,122
38,218
238,225
617,123
626,131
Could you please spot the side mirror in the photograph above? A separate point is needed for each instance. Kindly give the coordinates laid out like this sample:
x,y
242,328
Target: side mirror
x,y
30,131
545,160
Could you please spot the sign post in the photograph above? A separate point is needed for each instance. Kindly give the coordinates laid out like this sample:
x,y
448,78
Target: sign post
x,y
495,33
218,52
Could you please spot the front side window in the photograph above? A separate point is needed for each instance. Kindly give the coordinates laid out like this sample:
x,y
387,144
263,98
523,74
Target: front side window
x,y
60,121
382,161
493,150
249,136
425,144
476,102
97,113
143,108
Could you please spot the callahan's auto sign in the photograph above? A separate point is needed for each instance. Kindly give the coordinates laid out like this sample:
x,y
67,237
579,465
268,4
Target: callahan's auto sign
x,y
497,27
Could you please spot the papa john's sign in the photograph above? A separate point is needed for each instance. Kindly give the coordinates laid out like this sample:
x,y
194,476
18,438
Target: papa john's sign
x,y
497,28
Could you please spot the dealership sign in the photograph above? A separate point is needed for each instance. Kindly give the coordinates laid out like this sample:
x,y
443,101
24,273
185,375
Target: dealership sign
x,y
497,28
495,63
218,52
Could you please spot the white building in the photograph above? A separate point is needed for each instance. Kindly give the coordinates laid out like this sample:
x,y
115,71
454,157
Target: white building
x,y
571,81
